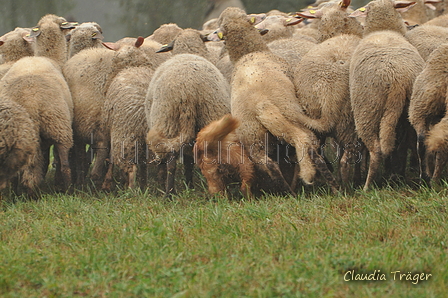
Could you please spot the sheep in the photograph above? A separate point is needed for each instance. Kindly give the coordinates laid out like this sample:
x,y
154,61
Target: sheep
x,y
13,46
19,146
217,6
427,38
326,67
334,20
263,100
48,42
124,114
436,143
292,49
441,20
165,33
89,75
382,72
418,15
186,93
279,27
86,35
328,113
44,93
221,158
281,40
428,100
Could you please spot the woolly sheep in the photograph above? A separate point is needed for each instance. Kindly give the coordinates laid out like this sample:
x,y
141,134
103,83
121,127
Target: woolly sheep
x,y
13,46
441,20
278,27
86,35
427,38
44,93
382,72
89,74
417,15
124,115
19,146
436,143
281,40
186,93
216,7
428,100
328,113
333,20
263,99
165,33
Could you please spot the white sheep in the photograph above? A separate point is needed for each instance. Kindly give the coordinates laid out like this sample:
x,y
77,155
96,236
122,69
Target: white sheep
x,y
37,84
13,46
186,93
264,101
89,75
382,72
85,35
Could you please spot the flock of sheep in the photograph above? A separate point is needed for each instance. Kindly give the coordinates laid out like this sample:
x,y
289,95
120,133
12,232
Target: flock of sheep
x,y
250,98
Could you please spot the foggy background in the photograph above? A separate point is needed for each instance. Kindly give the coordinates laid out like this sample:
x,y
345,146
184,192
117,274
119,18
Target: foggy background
x,y
120,18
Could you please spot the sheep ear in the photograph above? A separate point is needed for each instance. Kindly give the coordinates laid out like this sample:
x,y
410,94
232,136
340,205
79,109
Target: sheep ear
x,y
292,21
68,37
27,37
360,12
345,3
218,35
255,19
310,14
403,6
97,35
166,48
35,32
204,38
111,46
68,25
263,31
429,4
140,40
1,42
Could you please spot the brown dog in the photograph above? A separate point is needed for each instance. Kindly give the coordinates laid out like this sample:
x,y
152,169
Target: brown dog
x,y
222,158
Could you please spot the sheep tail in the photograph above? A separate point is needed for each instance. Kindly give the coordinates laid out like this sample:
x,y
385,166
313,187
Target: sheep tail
x,y
389,122
218,130
437,139
162,145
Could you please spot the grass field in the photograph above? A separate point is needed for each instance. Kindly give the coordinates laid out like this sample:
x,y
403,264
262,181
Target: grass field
x,y
135,244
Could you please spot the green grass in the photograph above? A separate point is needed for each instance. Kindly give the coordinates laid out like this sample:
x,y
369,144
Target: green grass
x,y
135,244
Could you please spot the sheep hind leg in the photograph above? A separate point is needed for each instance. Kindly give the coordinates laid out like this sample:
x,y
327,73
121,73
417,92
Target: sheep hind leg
x,y
423,159
132,176
65,170
374,165
188,170
99,168
267,165
302,139
171,165
323,169
108,179
440,162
